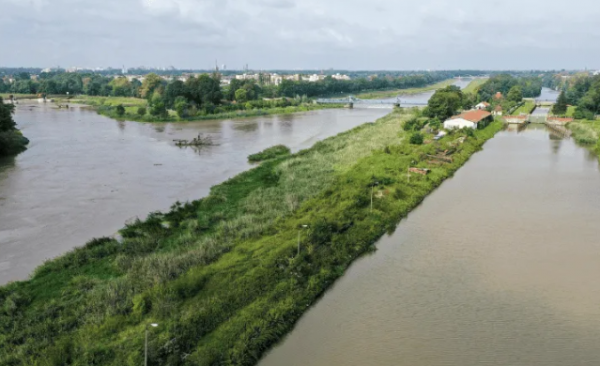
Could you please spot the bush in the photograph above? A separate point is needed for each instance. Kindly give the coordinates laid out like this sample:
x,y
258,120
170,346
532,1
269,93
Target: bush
x,y
270,153
141,111
416,138
120,110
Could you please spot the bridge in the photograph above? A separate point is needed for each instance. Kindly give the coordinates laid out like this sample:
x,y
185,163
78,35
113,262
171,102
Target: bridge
x,y
368,103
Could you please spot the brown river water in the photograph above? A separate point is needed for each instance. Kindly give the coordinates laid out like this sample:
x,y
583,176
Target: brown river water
x,y
499,266
85,175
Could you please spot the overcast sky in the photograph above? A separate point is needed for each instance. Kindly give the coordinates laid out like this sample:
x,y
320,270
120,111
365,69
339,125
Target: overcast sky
x,y
295,34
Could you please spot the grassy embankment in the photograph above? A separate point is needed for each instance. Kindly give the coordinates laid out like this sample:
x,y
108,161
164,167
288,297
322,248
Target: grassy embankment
x,y
473,86
222,275
392,93
106,106
270,153
586,133
526,108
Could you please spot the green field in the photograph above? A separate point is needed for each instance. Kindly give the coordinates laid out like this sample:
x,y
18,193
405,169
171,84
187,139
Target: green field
x,y
474,86
222,275
395,92
526,108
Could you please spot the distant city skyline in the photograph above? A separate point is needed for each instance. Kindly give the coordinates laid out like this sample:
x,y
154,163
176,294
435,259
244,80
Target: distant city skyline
x,y
293,34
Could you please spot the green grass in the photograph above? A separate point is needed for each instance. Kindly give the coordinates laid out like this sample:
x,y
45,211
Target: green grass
x,y
571,111
95,101
270,153
221,275
473,86
410,91
526,108
586,133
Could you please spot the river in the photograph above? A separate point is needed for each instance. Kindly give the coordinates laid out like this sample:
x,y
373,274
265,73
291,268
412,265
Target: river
x,y
499,266
84,175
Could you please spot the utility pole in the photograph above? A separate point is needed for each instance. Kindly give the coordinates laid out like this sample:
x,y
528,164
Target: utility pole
x,y
146,344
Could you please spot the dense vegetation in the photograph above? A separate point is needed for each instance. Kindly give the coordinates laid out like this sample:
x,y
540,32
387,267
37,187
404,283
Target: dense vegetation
x,y
11,140
447,102
270,153
512,88
222,275
582,91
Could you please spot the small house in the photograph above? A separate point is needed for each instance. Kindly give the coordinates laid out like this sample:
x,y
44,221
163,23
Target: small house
x,y
498,96
482,106
472,119
497,111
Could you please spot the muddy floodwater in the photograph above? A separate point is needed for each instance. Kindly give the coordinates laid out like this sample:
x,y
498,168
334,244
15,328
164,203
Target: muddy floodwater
x,y
84,175
500,266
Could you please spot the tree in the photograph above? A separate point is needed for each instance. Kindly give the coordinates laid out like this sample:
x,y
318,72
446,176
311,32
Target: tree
x,y
150,84
181,106
560,107
6,120
515,94
241,95
444,103
416,138
174,90
141,111
120,110
121,87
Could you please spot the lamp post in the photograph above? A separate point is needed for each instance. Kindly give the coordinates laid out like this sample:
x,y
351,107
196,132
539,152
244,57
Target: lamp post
x,y
146,343
299,231
372,189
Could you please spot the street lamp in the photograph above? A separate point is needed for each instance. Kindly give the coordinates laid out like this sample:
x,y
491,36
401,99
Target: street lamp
x,y
372,189
146,347
299,231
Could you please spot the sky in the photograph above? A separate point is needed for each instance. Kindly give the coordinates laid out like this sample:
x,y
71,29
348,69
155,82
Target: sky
x,y
302,34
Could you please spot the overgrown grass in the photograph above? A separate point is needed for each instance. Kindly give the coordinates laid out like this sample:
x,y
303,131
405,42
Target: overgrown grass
x,y
410,91
270,153
221,275
587,134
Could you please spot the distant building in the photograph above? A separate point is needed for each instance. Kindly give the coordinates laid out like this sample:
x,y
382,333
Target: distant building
x,y
470,119
314,78
482,105
340,77
597,73
498,96
497,111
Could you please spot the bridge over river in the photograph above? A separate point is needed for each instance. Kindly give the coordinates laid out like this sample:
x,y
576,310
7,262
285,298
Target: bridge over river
x,y
371,103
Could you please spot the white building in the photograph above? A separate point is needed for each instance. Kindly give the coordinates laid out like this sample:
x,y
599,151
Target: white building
x,y
314,78
470,119
340,77
597,73
482,105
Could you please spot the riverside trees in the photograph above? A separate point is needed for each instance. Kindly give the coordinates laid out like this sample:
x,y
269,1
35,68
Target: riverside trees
x,y
11,140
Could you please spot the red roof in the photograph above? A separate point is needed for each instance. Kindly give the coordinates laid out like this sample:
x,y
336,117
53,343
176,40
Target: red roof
x,y
474,116
498,108
485,104
498,95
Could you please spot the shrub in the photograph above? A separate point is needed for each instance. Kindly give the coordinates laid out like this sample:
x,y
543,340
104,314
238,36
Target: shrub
x,y
120,110
141,111
416,138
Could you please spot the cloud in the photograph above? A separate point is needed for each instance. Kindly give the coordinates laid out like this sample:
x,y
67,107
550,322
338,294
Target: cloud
x,y
301,34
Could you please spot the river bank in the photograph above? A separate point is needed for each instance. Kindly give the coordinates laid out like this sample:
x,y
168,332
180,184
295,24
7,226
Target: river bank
x,y
383,94
586,133
222,275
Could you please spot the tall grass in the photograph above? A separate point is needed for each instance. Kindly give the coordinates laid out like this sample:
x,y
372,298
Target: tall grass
x,y
221,275
583,133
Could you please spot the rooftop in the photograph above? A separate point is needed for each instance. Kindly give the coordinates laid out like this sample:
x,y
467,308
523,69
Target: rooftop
x,y
474,116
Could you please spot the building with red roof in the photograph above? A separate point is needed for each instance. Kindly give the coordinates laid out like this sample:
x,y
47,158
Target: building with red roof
x,y
471,119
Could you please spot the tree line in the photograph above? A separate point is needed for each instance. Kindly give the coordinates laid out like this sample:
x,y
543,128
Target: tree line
x,y
582,91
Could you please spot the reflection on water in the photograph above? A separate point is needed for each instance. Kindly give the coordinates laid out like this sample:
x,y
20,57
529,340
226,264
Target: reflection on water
x,y
497,267
84,175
